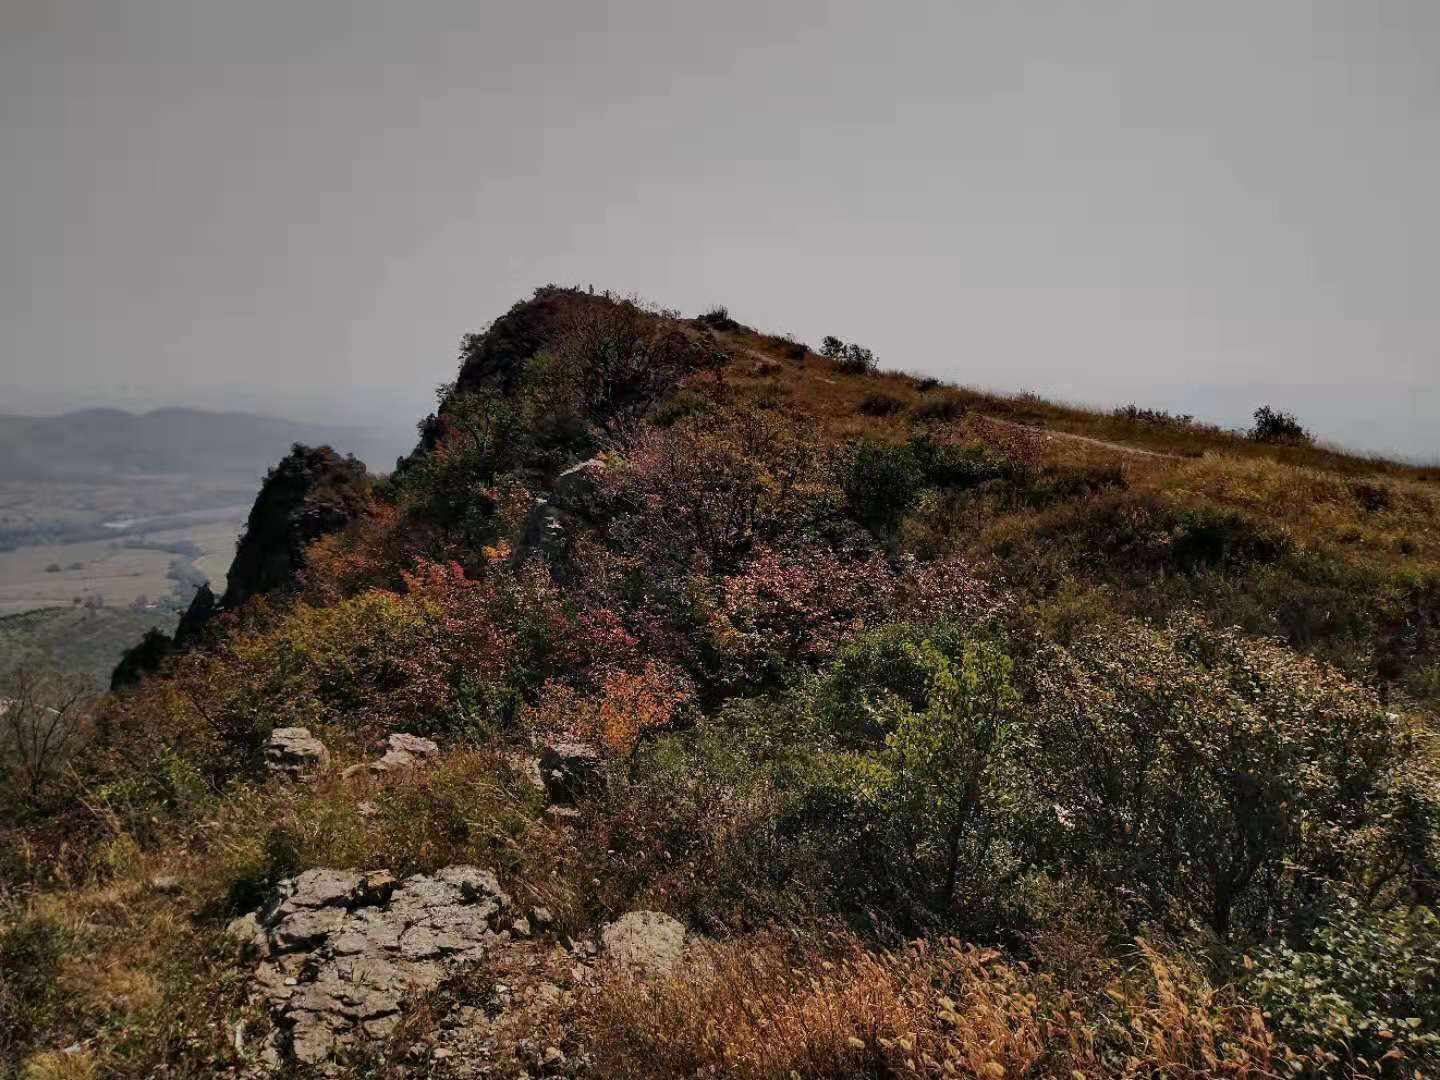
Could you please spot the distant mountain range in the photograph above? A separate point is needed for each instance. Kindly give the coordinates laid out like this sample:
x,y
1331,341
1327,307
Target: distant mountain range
x,y
113,442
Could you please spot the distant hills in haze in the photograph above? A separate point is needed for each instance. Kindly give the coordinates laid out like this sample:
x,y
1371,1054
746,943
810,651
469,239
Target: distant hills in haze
x,y
104,442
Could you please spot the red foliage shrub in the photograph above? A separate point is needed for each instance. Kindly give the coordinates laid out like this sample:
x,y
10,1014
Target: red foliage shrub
x,y
785,607
704,491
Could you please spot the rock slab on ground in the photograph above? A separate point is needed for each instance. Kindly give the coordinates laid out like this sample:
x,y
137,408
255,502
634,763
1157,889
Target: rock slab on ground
x,y
292,752
341,951
569,770
403,751
648,942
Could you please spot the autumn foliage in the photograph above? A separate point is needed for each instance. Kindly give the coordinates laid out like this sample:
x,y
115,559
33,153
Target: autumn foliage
x,y
962,749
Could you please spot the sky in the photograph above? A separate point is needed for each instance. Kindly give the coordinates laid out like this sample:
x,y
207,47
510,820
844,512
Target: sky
x,y
301,205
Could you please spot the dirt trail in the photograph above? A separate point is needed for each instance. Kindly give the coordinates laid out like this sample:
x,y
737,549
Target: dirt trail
x,y
1086,439
1102,444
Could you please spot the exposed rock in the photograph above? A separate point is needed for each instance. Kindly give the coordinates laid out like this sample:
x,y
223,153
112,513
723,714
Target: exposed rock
x,y
165,883
569,770
310,493
576,488
404,752
562,815
526,767
192,624
342,951
543,530
294,753
552,520
245,931
647,941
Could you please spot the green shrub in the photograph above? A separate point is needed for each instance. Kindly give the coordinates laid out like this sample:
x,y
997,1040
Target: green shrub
x,y
852,359
911,792
892,662
879,403
1209,773
682,405
1275,426
478,436
1209,538
944,766
1155,418
941,409
32,949
882,482
718,318
1362,990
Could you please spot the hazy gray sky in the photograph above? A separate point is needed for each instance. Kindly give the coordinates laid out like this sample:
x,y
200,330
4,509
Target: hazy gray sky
x,y
1200,204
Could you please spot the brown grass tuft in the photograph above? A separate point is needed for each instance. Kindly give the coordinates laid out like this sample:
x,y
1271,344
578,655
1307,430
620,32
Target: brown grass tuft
x,y
769,1007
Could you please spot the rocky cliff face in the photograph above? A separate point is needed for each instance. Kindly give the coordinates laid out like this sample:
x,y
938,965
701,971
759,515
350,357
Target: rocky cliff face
x,y
312,492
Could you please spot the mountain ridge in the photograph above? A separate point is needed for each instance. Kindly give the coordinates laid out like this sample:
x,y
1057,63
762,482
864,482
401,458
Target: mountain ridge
x,y
690,701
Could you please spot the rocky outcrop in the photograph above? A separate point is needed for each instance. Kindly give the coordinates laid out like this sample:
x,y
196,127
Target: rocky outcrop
x,y
311,493
402,752
553,519
624,358
405,751
341,951
647,942
569,770
295,754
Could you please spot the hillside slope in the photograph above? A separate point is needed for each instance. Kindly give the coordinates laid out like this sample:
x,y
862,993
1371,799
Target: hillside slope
x,y
690,703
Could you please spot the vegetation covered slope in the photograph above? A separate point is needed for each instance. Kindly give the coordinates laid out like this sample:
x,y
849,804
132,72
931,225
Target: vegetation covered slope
x,y
970,749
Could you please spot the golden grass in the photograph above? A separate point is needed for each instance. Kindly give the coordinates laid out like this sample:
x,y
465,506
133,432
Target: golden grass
x,y
1387,520
817,385
766,1007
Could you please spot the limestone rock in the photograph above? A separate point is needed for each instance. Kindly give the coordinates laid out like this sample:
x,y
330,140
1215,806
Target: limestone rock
x,y
566,816
552,520
577,487
646,941
341,951
569,770
413,745
294,753
405,751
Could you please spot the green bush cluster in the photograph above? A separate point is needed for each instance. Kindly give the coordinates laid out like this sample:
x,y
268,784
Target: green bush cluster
x,y
852,359
1362,988
1277,426
883,482
32,949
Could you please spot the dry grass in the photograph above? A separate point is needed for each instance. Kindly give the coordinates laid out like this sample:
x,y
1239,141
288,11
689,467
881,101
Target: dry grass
x,y
767,1007
818,386
1391,521
143,968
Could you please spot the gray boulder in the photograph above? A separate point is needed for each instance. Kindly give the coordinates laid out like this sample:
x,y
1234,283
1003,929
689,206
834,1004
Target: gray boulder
x,y
648,942
569,770
341,951
405,751
577,488
554,518
292,752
